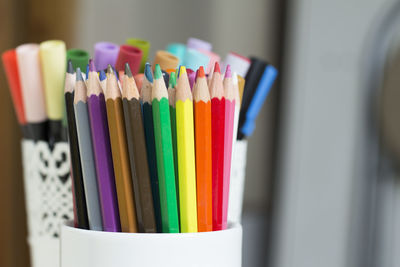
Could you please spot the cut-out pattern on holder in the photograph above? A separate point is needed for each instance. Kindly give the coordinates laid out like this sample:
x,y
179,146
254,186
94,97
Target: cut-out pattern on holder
x,y
47,185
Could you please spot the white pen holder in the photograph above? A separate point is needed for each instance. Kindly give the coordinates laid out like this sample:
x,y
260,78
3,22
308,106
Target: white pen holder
x,y
236,186
85,248
48,196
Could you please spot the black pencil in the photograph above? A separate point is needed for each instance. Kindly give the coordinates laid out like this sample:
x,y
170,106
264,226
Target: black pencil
x,y
77,179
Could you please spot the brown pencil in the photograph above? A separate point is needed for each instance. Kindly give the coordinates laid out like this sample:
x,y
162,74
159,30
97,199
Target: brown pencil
x,y
138,154
119,152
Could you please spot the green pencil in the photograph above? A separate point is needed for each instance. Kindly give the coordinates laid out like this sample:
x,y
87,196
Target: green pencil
x,y
145,96
164,153
172,111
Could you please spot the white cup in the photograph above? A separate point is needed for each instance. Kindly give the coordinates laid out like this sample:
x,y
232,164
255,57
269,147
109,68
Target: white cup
x,y
87,248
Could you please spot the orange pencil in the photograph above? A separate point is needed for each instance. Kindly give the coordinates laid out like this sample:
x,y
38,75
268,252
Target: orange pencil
x,y
202,126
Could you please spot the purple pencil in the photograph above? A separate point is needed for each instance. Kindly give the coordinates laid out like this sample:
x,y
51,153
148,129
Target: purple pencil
x,y
102,152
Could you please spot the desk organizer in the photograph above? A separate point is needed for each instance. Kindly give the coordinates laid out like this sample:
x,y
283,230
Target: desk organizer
x,y
49,204
48,198
83,248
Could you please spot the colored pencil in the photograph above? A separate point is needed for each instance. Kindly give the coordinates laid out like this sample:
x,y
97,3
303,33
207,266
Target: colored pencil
x,y
241,84
229,95
237,110
77,178
218,130
119,151
164,154
53,64
172,112
102,153
186,155
202,126
28,62
145,96
138,154
86,152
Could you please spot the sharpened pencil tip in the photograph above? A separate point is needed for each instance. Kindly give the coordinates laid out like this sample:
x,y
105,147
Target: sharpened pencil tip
x,y
128,71
157,72
91,65
216,67
70,68
228,72
79,74
235,78
147,72
102,75
182,70
172,80
110,69
87,70
200,72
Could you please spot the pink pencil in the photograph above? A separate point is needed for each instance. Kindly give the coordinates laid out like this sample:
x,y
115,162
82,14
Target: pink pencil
x,y
229,94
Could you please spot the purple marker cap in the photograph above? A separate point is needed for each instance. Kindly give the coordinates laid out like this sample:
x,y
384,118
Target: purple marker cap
x,y
105,53
195,43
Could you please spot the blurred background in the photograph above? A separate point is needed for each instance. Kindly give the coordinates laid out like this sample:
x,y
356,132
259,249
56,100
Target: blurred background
x,y
322,186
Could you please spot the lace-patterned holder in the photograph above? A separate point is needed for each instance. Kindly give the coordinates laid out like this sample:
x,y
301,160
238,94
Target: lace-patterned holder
x,y
48,198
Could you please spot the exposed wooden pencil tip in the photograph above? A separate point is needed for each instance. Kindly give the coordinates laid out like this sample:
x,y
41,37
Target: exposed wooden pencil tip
x,y
182,70
235,78
147,72
102,75
172,80
110,69
200,72
217,68
79,74
128,70
91,65
70,68
228,72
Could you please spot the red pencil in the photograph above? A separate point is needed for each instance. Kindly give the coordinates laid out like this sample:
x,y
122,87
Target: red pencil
x,y
218,130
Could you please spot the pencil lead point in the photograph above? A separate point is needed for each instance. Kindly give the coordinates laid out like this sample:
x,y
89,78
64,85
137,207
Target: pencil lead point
x,y
128,71
157,72
147,72
110,69
79,74
200,72
87,71
91,65
228,72
102,75
182,70
172,80
70,68
235,78
217,68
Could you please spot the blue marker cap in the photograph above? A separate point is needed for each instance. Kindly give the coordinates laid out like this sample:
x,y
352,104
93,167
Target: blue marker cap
x,y
178,50
263,88
194,59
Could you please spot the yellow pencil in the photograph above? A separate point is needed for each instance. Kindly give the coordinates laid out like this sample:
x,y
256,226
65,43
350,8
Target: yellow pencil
x,y
186,156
